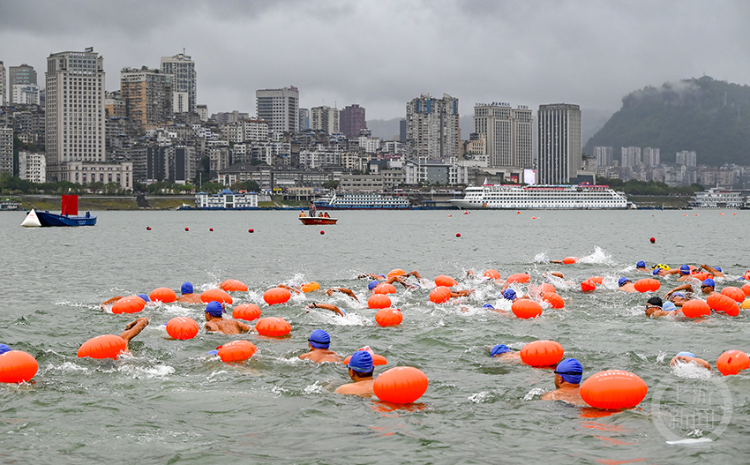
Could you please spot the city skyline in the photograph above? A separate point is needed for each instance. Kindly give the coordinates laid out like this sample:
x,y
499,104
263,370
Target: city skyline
x,y
339,53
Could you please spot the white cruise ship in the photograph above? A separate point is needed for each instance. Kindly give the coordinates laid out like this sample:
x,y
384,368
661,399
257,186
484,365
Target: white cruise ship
x,y
563,197
719,198
363,202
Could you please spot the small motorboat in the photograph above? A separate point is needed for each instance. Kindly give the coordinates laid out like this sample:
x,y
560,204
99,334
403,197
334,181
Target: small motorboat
x,y
36,219
308,220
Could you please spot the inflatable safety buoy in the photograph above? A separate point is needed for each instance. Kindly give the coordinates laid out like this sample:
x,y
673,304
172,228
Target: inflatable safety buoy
x,y
163,294
396,272
588,286
379,301
546,288
745,305
440,294
613,390
216,295
105,346
311,286
554,300
377,359
647,285
17,366
518,278
233,285
401,385
598,280
732,362
444,280
492,274
389,317
273,326
723,304
746,289
129,304
277,295
182,328
542,353
247,312
695,309
525,308
570,260
236,351
384,288
734,293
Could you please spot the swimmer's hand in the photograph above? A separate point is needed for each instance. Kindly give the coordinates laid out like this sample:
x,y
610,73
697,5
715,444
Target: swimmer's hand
x,y
143,321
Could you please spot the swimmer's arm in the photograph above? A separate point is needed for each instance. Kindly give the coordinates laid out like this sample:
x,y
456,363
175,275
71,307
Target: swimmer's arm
x,y
371,276
713,271
243,327
419,276
682,287
289,288
211,326
111,301
330,307
343,291
134,328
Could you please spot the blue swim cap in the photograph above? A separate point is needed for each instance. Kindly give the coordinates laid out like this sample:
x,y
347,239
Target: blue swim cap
x,y
144,297
212,352
214,309
372,284
186,288
4,348
622,281
686,354
641,264
708,282
656,271
684,269
668,306
718,268
361,362
319,339
499,349
509,294
488,306
678,294
570,370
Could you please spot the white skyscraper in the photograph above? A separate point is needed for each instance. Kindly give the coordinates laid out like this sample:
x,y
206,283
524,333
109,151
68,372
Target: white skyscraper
x,y
184,83
325,119
508,134
651,156
560,155
432,128
3,91
630,157
6,150
280,107
604,156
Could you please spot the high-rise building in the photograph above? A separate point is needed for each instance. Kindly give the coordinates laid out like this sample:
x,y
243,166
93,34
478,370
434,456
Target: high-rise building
x,y
280,107
325,119
352,120
6,150
32,167
686,157
560,155
651,156
3,91
184,82
147,94
304,119
74,120
23,75
630,157
432,127
508,134
24,94
604,156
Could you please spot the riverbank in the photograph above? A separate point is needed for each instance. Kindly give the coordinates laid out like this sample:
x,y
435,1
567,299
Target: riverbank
x,y
125,203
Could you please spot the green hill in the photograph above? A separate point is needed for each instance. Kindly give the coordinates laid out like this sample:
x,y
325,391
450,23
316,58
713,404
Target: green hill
x,y
703,115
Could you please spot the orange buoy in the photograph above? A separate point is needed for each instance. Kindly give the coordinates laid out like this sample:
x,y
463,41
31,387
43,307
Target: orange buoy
x,y
273,326
233,285
311,286
525,308
440,295
542,353
746,289
518,278
384,288
129,304
597,280
236,351
444,280
613,390
745,305
377,359
570,260
546,288
216,295
734,293
647,285
588,286
379,301
732,362
401,385
389,317
492,274
247,312
722,303
277,295
17,366
105,346
163,294
695,309
554,300
396,272
182,328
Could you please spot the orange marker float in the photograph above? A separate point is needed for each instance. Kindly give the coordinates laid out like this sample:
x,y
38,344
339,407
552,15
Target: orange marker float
x,y
216,295
554,300
377,359
389,317
247,312
518,278
547,288
647,285
101,347
273,326
492,274
542,353
163,294
613,390
722,303
401,385
525,308
182,328
732,362
734,293
396,272
588,286
570,260
129,304
384,288
440,295
597,280
379,301
233,285
444,280
277,295
695,309
236,351
746,289
17,366
309,287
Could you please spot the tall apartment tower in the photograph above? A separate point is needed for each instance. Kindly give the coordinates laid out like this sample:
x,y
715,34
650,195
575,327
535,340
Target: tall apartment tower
x,y
630,157
604,156
325,119
280,107
651,156
560,155
352,120
6,150
432,127
184,82
3,90
147,94
508,134
22,76
74,120
304,119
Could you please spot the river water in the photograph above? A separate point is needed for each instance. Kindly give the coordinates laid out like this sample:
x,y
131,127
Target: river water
x,y
170,402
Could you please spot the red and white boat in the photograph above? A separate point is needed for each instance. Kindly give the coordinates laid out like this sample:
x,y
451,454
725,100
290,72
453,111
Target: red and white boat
x,y
308,220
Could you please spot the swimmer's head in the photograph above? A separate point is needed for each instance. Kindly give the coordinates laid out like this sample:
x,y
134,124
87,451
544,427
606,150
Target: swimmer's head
x,y
656,271
509,294
708,283
640,264
144,297
685,354
669,306
372,284
717,268
4,348
187,288
488,306
319,339
361,362
570,370
676,295
214,309
622,281
499,349
685,269
655,301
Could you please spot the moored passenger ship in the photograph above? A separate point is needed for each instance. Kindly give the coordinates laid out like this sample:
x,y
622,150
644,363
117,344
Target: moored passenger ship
x,y
562,197
363,202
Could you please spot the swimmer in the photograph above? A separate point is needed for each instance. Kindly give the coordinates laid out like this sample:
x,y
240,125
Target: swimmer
x,y
319,341
490,307
343,291
462,293
188,296
360,371
4,348
678,298
134,328
689,357
745,277
330,307
707,287
296,289
641,266
414,273
626,285
376,277
568,374
216,323
110,301
714,270
655,308
503,352
685,273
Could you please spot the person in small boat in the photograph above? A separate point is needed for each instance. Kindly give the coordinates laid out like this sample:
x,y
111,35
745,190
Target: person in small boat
x,y
216,323
311,211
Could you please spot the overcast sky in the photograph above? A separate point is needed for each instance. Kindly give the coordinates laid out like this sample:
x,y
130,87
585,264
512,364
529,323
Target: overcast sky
x,y
382,53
